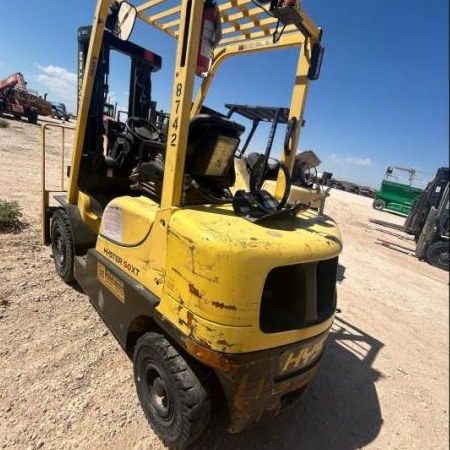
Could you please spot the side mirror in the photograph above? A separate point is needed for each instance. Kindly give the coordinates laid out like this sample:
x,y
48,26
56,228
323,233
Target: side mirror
x,y
121,19
316,61
126,20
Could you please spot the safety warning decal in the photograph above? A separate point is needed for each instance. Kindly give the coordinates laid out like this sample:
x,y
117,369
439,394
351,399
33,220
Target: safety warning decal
x,y
111,282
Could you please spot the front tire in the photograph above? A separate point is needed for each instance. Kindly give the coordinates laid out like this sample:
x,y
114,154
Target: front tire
x,y
62,245
437,255
379,204
174,400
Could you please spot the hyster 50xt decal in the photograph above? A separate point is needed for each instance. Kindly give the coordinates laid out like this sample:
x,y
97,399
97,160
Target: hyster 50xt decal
x,y
122,262
301,357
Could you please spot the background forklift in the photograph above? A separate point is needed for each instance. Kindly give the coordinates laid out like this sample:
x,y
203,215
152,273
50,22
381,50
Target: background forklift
x,y
433,244
429,221
205,282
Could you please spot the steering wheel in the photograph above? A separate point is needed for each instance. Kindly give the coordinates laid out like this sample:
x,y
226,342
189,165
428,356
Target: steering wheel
x,y
141,129
258,175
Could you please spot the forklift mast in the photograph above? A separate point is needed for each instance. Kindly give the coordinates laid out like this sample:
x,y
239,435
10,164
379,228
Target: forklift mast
x,y
142,63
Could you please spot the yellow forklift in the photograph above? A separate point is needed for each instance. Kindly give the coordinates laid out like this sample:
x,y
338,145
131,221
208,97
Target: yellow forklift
x,y
214,277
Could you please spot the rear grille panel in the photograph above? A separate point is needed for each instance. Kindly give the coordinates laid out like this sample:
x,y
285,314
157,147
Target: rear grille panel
x,y
298,296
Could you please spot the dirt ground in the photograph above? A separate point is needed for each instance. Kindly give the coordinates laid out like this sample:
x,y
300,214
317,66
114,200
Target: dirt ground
x,y
65,383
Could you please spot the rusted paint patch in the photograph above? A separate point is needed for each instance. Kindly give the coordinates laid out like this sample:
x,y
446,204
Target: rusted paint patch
x,y
194,291
206,344
239,403
225,343
189,324
240,398
221,305
210,358
191,319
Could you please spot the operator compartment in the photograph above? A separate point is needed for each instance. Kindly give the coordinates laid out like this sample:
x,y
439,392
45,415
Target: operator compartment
x,y
209,170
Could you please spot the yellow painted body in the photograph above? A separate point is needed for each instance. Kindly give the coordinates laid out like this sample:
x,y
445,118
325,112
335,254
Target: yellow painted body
x,y
217,264
205,264
211,279
207,278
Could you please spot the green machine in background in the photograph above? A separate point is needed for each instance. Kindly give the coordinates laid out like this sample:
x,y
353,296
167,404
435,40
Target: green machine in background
x,y
397,192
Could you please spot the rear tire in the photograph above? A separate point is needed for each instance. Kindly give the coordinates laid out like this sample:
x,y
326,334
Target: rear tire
x,y
379,204
32,116
173,398
62,245
437,255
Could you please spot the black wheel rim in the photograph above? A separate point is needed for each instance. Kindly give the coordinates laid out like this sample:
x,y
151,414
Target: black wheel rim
x,y
379,204
59,249
443,258
160,401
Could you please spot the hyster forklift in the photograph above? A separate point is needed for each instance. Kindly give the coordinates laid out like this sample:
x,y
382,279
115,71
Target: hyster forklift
x,y
216,277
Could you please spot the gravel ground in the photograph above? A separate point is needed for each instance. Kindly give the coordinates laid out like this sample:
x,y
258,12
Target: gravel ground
x,y
65,383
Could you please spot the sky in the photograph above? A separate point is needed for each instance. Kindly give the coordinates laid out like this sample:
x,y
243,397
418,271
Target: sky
x,y
382,98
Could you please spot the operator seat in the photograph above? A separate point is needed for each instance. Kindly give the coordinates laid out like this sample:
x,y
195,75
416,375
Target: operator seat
x,y
118,144
212,143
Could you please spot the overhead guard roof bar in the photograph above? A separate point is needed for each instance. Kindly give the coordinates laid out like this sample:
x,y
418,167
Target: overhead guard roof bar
x,y
241,20
260,113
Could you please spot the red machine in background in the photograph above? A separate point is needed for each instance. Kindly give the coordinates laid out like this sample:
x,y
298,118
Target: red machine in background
x,y
14,80
17,100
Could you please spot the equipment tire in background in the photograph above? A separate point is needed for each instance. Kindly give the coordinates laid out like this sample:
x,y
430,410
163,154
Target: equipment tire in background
x,y
437,255
174,400
378,204
62,245
32,116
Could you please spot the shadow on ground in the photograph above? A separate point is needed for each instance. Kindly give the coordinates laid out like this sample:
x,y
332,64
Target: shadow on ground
x,y
339,410
340,274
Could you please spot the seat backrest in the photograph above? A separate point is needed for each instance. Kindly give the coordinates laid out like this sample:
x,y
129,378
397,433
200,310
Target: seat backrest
x,y
212,143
